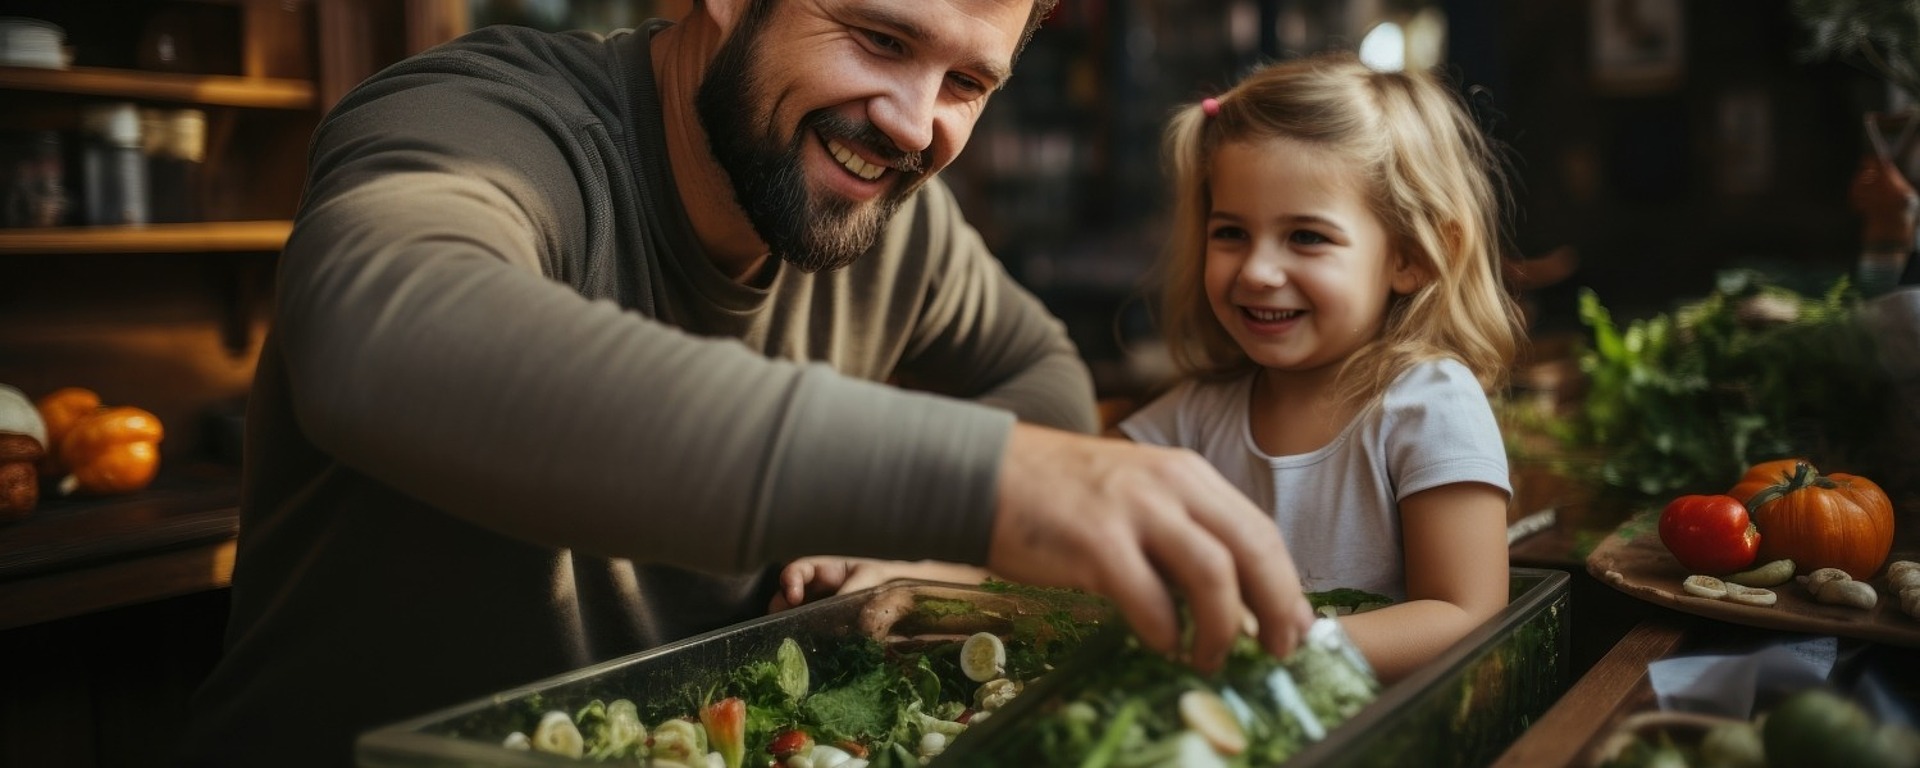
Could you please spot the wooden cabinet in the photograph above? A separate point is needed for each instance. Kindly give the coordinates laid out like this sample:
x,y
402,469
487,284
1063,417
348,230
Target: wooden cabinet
x,y
170,316
111,609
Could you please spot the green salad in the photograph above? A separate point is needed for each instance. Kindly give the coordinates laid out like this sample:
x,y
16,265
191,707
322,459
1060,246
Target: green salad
x,y
852,702
902,699
1134,708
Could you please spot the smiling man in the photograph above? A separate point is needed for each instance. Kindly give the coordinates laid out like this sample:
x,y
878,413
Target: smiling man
x,y
576,335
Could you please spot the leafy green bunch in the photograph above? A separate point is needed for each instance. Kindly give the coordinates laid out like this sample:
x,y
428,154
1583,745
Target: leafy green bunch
x,y
1882,35
1685,401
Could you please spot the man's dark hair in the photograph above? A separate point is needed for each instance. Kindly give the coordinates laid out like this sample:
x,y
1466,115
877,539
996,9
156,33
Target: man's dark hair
x,y
1041,8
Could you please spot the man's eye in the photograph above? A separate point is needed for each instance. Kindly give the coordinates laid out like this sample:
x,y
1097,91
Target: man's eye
x,y
967,86
884,41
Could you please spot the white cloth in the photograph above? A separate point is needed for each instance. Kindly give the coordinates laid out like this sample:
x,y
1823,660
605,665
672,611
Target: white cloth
x,y
1338,506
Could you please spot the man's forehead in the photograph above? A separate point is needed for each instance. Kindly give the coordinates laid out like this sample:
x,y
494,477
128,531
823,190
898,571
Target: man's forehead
x,y
987,31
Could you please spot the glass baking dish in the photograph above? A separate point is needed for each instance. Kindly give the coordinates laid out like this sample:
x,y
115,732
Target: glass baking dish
x,y
1464,709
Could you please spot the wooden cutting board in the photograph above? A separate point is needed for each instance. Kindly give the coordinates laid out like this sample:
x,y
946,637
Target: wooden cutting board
x,y
1633,560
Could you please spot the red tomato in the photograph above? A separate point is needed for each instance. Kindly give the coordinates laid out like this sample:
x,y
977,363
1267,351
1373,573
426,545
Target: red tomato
x,y
789,743
1709,534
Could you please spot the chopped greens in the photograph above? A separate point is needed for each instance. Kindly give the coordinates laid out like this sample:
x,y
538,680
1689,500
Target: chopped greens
x,y
1125,707
853,701
1345,600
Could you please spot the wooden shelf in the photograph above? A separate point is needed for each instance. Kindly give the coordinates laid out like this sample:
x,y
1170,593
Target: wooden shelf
x,y
199,237
75,556
211,90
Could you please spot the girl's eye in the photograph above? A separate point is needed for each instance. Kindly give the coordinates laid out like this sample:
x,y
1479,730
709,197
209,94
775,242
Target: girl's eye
x,y
1309,237
1227,232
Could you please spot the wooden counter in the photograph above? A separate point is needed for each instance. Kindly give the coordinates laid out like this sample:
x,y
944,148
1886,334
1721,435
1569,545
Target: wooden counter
x,y
1614,688
77,556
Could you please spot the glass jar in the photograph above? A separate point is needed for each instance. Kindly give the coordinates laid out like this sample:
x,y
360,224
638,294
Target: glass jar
x,y
113,170
32,179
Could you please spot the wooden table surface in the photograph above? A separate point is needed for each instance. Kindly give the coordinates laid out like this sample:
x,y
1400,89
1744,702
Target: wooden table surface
x,y
77,556
1613,689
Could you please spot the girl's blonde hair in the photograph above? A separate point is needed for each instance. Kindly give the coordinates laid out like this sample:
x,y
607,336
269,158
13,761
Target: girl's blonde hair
x,y
1428,173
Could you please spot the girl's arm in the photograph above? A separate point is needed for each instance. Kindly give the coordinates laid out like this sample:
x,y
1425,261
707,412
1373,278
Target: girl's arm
x,y
1455,541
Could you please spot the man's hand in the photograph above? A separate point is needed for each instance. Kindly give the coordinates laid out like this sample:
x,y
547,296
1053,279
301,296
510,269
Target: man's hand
x,y
1140,524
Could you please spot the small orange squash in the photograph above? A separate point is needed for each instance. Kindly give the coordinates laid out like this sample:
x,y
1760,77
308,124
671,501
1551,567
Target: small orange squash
x,y
60,410
1819,521
114,450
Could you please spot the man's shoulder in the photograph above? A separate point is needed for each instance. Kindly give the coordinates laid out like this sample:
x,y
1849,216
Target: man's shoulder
x,y
522,45
545,65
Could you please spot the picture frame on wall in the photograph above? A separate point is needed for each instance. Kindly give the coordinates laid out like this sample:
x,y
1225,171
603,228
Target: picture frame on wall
x,y
1639,46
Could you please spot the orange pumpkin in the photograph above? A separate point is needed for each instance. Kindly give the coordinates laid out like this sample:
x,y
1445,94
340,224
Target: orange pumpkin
x,y
1819,521
114,450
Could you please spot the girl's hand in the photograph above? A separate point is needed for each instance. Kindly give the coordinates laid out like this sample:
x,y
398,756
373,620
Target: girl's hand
x,y
811,578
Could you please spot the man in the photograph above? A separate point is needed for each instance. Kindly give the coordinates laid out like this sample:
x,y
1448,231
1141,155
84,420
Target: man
x,y
574,336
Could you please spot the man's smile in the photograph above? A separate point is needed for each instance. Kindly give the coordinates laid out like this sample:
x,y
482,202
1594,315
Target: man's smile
x,y
853,162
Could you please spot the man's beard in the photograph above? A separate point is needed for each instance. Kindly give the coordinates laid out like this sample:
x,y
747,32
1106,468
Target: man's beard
x,y
811,232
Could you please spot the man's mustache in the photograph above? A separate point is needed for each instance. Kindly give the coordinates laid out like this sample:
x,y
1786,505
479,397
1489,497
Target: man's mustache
x,y
834,126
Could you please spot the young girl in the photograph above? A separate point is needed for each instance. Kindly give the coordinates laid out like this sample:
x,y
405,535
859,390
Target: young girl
x,y
1332,293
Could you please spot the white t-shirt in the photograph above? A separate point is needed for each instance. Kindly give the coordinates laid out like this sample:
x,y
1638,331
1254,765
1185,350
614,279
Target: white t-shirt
x,y
1338,506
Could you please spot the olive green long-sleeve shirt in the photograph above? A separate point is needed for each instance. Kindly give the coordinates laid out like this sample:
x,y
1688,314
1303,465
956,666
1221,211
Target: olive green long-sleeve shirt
x,y
510,421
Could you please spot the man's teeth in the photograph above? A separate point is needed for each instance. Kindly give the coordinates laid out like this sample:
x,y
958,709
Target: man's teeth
x,y
861,168
1272,315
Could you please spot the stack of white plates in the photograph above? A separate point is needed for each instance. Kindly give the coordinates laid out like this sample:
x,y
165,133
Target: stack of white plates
x,y
31,43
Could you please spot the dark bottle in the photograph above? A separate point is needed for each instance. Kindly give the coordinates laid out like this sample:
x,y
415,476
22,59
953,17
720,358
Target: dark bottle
x,y
32,187
175,146
113,171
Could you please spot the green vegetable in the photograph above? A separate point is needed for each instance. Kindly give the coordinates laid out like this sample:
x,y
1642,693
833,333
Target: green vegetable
x,y
1733,745
611,731
1686,401
1772,574
886,698
1810,727
1353,600
866,707
791,675
1115,736
1124,708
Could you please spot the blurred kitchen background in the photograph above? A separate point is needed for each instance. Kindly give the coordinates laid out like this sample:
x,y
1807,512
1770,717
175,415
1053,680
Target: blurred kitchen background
x,y
153,153
1656,142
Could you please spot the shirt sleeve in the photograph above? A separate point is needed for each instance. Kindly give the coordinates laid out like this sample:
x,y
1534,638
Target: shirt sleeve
x,y
1441,430
1158,422
427,347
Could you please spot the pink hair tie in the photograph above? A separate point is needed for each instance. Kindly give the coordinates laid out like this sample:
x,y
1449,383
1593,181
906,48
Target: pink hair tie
x,y
1211,106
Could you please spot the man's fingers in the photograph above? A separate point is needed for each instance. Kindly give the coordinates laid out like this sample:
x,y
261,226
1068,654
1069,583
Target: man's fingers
x,y
1142,597
1202,569
1266,576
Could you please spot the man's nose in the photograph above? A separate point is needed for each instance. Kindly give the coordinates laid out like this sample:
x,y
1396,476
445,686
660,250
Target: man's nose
x,y
905,113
